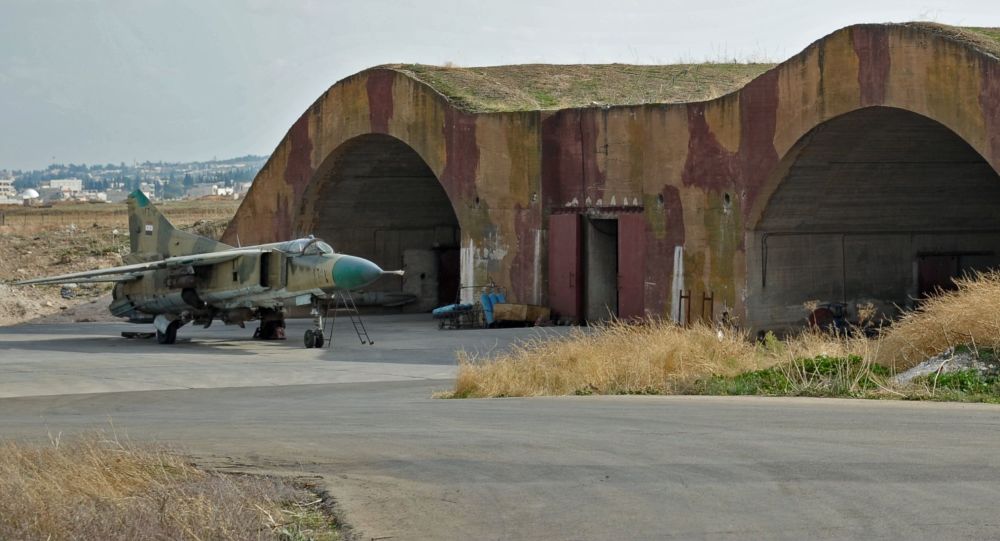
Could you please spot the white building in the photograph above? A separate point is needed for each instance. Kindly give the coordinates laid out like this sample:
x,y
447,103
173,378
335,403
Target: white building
x,y
204,191
8,195
71,185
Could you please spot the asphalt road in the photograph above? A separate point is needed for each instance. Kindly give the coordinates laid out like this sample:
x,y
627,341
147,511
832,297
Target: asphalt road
x,y
405,466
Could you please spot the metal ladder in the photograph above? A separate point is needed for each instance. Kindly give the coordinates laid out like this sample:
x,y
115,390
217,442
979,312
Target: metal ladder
x,y
343,302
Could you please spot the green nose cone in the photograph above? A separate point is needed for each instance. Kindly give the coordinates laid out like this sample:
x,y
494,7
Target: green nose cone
x,y
351,272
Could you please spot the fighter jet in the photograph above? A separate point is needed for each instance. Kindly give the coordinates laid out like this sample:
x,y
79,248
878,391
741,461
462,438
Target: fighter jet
x,y
172,278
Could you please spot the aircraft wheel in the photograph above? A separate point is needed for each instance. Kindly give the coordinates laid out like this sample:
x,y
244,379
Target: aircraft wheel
x,y
170,336
271,330
310,339
318,339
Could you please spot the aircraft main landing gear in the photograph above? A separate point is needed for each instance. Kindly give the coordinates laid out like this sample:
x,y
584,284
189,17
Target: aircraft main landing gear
x,y
272,325
271,330
170,335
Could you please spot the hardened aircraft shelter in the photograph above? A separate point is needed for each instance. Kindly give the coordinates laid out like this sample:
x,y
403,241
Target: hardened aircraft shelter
x,y
861,171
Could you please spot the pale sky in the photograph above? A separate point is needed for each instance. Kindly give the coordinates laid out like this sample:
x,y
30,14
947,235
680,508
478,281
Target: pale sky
x,y
100,81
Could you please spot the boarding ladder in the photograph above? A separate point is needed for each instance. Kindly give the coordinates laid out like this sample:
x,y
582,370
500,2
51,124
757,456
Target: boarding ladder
x,y
342,302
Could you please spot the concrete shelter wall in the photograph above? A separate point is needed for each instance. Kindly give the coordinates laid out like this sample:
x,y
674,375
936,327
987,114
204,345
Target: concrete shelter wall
x,y
702,174
864,196
487,164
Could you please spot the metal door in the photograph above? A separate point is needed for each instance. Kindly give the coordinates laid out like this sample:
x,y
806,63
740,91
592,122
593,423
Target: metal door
x,y
565,297
631,265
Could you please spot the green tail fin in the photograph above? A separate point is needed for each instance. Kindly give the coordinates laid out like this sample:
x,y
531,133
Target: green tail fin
x,y
152,236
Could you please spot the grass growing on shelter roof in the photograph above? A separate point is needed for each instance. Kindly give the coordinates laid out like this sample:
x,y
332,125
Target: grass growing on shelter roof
x,y
530,87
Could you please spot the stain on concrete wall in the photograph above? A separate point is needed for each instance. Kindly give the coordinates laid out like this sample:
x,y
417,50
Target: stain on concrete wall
x,y
701,173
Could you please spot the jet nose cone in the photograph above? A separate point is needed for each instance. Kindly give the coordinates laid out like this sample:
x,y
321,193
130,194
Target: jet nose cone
x,y
351,272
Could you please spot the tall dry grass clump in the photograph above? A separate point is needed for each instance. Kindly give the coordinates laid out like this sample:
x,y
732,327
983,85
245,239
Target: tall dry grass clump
x,y
660,357
967,316
621,358
95,488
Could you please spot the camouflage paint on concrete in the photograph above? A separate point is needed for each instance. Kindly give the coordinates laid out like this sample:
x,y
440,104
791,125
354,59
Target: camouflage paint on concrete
x,y
702,173
989,100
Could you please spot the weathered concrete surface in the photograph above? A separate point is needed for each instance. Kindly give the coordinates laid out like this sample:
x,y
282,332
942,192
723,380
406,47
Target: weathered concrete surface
x,y
405,466
863,196
702,173
94,358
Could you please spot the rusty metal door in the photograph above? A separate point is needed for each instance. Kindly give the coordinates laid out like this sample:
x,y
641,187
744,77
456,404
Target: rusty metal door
x,y
565,293
631,265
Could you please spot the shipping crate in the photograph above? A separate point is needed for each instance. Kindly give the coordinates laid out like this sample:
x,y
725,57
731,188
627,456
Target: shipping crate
x,y
523,313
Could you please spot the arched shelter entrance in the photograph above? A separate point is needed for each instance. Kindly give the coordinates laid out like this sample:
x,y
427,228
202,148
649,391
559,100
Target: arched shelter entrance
x,y
878,206
376,198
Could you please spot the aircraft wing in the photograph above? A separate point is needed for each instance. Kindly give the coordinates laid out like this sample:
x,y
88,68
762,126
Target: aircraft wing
x,y
126,273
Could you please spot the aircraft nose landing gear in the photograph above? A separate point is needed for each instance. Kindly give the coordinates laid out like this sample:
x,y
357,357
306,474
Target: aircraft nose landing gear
x,y
314,337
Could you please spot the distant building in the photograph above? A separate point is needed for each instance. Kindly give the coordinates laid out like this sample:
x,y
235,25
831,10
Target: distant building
x,y
71,185
93,196
116,195
196,192
30,197
202,190
49,194
8,195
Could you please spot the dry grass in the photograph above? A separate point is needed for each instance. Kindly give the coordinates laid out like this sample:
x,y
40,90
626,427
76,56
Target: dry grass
x,y
72,237
95,488
28,220
967,316
661,358
530,87
652,358
979,38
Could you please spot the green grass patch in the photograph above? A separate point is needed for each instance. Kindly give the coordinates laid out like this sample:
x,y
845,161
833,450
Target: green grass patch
x,y
853,377
849,377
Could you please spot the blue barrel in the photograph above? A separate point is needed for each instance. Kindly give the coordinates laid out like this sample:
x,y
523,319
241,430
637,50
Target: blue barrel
x,y
487,303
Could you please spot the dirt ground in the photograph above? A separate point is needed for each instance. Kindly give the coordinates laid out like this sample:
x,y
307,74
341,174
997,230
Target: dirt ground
x,y
67,238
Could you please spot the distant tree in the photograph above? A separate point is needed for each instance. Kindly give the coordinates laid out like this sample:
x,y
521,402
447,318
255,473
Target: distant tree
x,y
173,189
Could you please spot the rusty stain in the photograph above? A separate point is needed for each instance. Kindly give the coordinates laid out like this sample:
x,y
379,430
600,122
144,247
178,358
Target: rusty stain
x,y
593,149
462,154
758,124
380,102
506,172
872,47
709,165
561,159
989,100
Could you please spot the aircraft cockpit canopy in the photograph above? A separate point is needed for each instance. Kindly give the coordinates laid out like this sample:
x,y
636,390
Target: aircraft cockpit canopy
x,y
307,246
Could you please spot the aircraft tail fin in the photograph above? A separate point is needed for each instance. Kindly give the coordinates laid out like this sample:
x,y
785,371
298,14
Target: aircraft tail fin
x,y
152,236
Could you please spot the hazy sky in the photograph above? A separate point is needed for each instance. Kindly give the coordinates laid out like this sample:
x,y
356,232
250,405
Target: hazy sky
x,y
100,81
